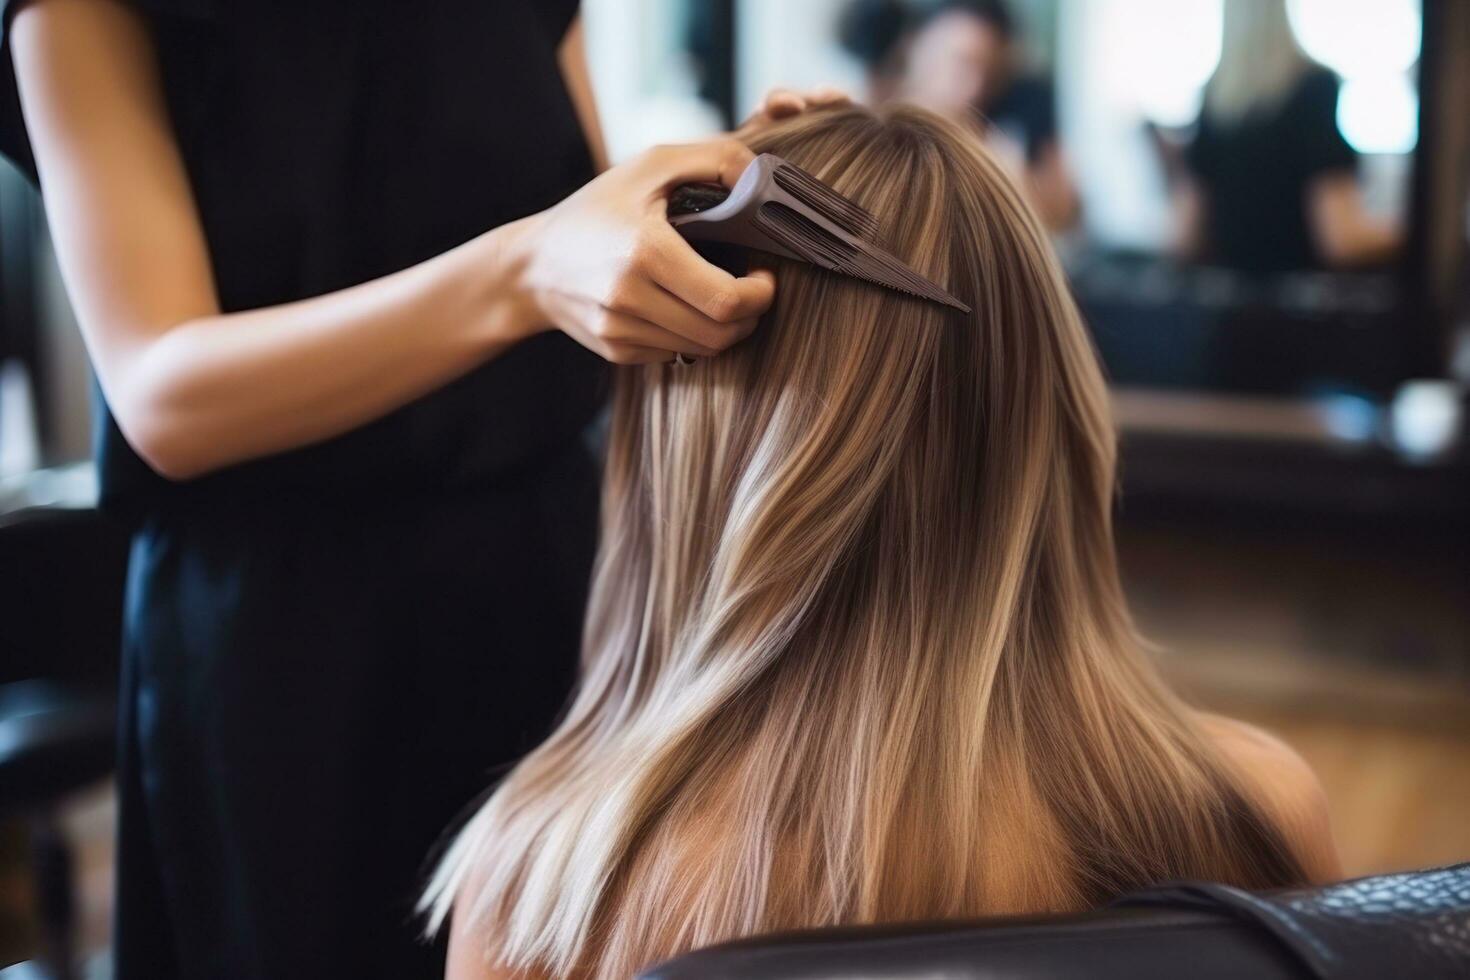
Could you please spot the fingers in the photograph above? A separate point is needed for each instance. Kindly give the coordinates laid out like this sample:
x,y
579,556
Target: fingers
x,y
620,337
827,96
721,160
649,301
625,330
637,355
616,352
671,262
783,103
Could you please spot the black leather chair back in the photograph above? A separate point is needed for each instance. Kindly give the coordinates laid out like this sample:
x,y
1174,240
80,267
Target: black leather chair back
x,y
61,596
1406,925
62,573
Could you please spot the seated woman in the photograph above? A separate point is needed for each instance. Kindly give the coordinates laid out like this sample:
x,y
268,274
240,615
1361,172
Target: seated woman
x,y
857,649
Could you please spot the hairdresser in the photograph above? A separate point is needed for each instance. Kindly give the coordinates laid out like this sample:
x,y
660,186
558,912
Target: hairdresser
x,y
965,59
1268,184
349,289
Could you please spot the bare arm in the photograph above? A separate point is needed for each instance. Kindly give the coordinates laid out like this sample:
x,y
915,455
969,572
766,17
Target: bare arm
x,y
467,958
194,389
1186,197
1345,232
572,57
1187,206
1052,192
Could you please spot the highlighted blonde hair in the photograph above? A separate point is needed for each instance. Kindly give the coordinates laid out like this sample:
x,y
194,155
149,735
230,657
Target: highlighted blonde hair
x,y
1260,61
857,648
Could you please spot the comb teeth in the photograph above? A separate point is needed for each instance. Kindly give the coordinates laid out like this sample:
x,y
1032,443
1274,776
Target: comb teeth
x,y
863,260
803,236
847,215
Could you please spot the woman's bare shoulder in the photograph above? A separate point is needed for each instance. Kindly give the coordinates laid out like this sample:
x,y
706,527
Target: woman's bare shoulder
x,y
468,956
468,959
1285,787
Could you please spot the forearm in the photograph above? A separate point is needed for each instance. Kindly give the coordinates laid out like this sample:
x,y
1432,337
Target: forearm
x,y
1346,233
222,389
572,60
195,390
1359,240
1052,192
1187,220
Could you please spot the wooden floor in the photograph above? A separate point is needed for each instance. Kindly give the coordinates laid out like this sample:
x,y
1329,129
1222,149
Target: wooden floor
x,y
1398,785
1354,648
1356,652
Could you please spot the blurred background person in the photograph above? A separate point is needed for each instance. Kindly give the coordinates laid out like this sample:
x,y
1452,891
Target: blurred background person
x,y
875,33
964,58
1268,183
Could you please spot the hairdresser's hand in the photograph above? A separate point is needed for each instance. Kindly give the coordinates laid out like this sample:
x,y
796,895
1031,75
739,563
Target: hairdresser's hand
x,y
783,103
606,267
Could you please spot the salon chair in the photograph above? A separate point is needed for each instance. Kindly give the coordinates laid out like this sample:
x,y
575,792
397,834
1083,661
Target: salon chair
x,y
61,594
1415,924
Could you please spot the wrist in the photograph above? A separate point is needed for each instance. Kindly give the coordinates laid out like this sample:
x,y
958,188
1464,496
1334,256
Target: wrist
x,y
511,310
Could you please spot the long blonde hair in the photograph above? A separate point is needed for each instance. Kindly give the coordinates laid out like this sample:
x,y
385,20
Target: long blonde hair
x,y
856,648
1260,60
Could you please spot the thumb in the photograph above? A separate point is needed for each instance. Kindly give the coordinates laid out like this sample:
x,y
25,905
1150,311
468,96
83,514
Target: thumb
x,y
714,161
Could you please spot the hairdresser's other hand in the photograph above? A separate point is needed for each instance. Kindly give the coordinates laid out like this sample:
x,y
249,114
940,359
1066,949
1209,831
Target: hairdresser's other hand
x,y
783,103
605,266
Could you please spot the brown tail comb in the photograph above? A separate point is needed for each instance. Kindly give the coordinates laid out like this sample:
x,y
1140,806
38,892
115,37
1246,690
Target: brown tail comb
x,y
779,208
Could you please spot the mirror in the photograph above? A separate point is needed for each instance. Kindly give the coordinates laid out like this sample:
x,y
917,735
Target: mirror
x,y
1219,175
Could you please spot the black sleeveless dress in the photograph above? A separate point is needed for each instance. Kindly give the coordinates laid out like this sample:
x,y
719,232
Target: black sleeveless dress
x,y
330,653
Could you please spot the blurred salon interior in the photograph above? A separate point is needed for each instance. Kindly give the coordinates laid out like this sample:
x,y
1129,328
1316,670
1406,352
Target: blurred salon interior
x,y
1262,210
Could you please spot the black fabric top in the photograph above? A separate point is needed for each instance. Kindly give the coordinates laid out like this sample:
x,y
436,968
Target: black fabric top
x,y
1027,113
336,141
1255,173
